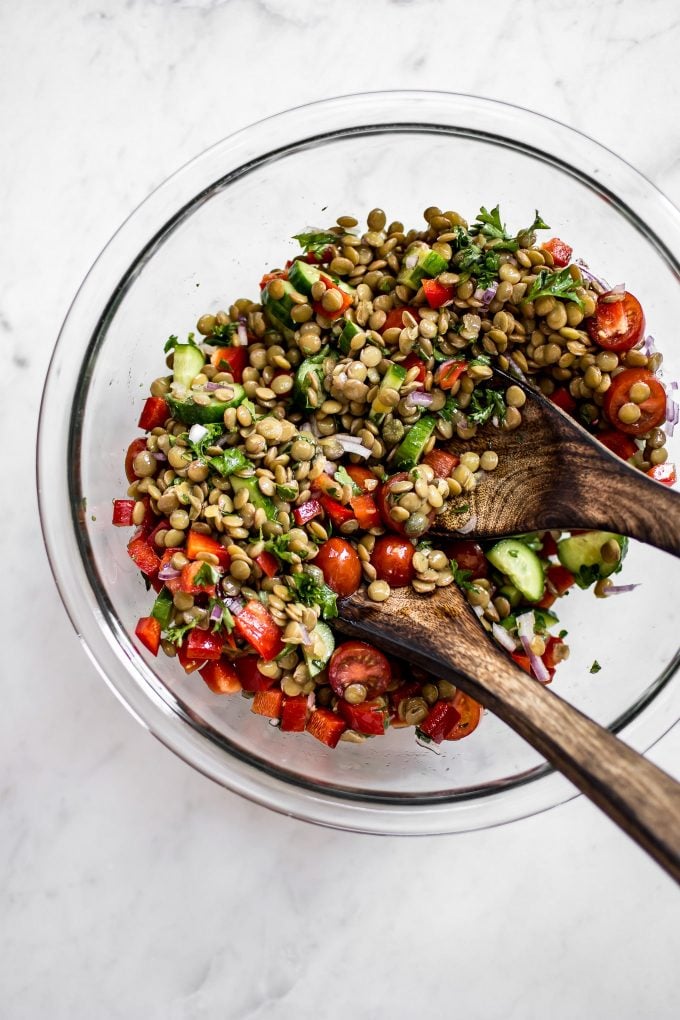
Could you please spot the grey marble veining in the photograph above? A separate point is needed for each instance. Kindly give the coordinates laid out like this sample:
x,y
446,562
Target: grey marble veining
x,y
130,886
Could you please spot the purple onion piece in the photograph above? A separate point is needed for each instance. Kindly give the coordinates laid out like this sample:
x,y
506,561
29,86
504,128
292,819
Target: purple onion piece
x,y
216,614
585,272
418,398
168,572
212,386
159,456
241,332
234,605
620,589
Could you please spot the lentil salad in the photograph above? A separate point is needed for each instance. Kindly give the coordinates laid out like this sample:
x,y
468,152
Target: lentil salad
x,y
294,453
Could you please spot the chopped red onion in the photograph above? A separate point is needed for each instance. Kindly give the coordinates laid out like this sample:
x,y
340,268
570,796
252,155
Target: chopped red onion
x,y
486,296
478,611
526,631
216,614
620,589
674,385
233,604
503,637
168,572
418,398
615,293
468,526
329,467
241,332
212,386
586,273
197,433
648,346
159,455
311,701
306,636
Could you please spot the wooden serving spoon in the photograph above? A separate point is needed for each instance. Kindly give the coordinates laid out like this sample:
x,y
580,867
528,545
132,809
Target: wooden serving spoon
x,y
440,633
553,474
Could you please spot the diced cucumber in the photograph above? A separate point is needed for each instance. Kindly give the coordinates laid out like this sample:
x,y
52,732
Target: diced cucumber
x,y
512,594
320,650
392,380
520,565
187,362
229,462
303,380
278,311
582,555
303,276
191,413
410,450
255,496
427,263
163,607
350,330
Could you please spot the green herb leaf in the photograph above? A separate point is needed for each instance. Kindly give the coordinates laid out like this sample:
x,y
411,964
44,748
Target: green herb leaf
x,y
461,577
447,412
484,404
559,285
177,634
174,341
213,433
313,593
489,225
227,620
206,575
344,478
224,331
286,491
596,667
472,260
316,242
229,462
278,546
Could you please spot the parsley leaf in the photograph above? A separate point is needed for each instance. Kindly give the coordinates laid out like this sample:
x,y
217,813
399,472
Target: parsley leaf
x,y
227,620
316,242
278,546
484,404
174,341
230,461
461,577
489,224
177,634
560,285
448,411
206,575
342,476
472,260
224,330
596,667
212,434
314,593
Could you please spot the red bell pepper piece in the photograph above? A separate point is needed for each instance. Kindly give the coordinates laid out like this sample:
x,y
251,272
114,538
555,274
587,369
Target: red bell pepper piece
x,y
622,445
412,361
188,580
365,511
436,293
338,513
307,512
664,473
522,661
449,372
549,545
559,580
122,513
563,398
369,717
441,462
135,447
231,359
560,251
148,630
250,676
326,726
221,677
173,584
268,563
203,644
187,664
294,714
280,274
268,703
198,543
395,320
550,658
346,301
256,624
154,414
144,556
441,720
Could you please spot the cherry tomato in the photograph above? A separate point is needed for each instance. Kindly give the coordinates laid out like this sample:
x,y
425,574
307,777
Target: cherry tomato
x,y
394,318
413,361
386,501
231,359
563,398
357,662
653,409
135,447
340,565
470,712
617,325
441,462
360,475
619,444
436,293
560,251
469,556
393,560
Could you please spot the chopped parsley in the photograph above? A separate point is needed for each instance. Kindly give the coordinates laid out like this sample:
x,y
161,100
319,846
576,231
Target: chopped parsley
x,y
174,341
224,331
227,620
448,411
230,461
484,404
342,476
177,634
206,575
316,242
461,577
472,260
212,434
489,225
278,546
596,667
560,285
314,593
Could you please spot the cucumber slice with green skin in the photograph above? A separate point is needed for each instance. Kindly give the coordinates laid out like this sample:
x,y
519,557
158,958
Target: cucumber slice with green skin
x,y
582,556
320,650
162,608
303,379
350,330
410,450
229,462
303,276
392,380
191,413
520,565
257,498
512,594
428,263
278,311
187,362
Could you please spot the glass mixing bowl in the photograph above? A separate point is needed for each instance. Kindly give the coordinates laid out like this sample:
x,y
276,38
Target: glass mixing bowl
x,y
205,237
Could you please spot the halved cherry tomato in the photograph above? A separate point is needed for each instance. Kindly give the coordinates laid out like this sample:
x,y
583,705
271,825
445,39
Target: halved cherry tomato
x,y
560,251
154,413
307,512
268,703
617,325
653,409
148,630
221,677
257,625
356,662
664,473
188,580
365,511
413,361
198,543
203,644
249,675
563,398
369,717
346,301
135,447
231,359
440,721
449,372
437,293
441,462
548,545
619,444
326,726
394,318
294,714
338,513
340,565
468,555
469,711
122,513
386,500
267,563
361,475
392,558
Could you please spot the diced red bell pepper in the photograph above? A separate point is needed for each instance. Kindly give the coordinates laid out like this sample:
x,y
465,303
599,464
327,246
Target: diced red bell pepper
x,y
338,513
151,532
563,398
188,580
346,301
664,473
623,446
280,274
148,630
135,447
326,726
268,703
549,545
550,656
394,318
144,556
441,720
250,676
413,361
307,512
365,511
363,477
409,690
231,359
256,624
154,414
122,513
294,714
449,372
268,563
436,293
198,543
559,580
560,251
327,486
187,664
522,661
173,584
441,462
369,717
203,644
221,677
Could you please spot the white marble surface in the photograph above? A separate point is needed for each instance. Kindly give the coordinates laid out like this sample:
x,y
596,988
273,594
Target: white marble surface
x,y
130,886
